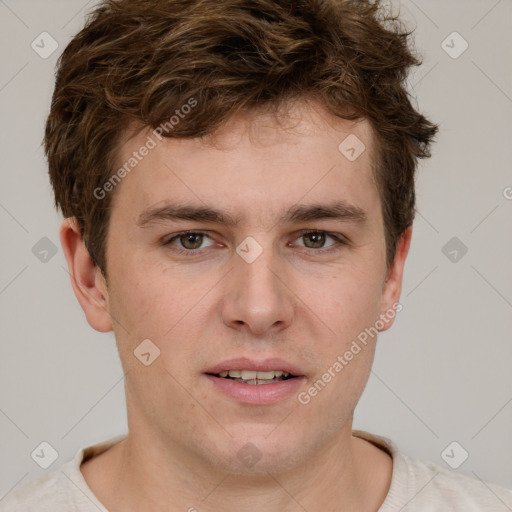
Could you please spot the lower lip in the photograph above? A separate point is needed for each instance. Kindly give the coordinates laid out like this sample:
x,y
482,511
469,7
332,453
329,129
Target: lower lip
x,y
257,394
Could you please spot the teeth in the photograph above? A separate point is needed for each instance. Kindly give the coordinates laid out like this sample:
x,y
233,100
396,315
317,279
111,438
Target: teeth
x,y
248,374
251,374
254,382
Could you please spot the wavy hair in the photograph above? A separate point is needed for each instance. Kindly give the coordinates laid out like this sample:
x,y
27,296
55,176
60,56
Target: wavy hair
x,y
137,61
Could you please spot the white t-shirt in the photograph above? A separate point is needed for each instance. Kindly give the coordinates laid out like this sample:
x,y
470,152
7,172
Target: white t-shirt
x,y
416,486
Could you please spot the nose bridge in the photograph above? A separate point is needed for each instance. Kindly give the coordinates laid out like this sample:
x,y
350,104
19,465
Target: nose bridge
x,y
257,295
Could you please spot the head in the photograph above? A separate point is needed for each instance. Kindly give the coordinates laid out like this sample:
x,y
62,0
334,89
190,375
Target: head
x,y
263,119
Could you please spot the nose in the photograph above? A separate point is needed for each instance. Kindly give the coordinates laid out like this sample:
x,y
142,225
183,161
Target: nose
x,y
257,297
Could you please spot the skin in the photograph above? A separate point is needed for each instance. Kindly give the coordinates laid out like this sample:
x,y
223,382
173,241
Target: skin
x,y
291,302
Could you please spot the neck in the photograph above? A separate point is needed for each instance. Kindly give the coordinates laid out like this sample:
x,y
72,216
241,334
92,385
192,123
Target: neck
x,y
144,473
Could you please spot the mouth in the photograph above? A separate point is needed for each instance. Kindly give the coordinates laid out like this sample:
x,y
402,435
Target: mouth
x,y
254,378
253,382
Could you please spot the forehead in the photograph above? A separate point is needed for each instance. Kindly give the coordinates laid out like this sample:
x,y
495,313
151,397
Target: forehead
x,y
255,164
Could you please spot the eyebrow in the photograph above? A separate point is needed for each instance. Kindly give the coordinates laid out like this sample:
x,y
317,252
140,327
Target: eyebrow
x,y
339,210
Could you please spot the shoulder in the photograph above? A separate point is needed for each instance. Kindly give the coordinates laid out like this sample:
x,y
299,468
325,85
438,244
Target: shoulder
x,y
437,488
420,485
61,490
48,493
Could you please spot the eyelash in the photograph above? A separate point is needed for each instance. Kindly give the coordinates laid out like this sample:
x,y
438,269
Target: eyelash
x,y
194,252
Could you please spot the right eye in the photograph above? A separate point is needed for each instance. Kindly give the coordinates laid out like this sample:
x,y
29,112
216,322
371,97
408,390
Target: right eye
x,y
189,241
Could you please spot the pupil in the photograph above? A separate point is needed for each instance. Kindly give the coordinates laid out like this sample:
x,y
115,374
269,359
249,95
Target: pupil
x,y
189,238
320,239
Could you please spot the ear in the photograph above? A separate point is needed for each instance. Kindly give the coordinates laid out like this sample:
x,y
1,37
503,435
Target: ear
x,y
87,280
393,284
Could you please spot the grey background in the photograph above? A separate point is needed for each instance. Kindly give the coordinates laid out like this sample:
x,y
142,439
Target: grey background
x,y
443,372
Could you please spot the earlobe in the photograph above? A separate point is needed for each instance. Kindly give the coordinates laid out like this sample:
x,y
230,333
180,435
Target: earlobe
x,y
86,279
393,284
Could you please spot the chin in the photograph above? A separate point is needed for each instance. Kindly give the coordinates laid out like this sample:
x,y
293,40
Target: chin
x,y
258,454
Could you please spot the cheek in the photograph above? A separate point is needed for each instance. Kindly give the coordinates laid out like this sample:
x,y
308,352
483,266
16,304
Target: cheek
x,y
137,302
346,307
150,306
147,299
350,309
345,302
164,306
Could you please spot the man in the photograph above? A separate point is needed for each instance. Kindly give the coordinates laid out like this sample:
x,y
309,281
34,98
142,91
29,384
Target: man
x,y
237,181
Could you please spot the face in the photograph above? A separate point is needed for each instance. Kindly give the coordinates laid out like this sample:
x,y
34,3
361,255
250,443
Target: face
x,y
283,272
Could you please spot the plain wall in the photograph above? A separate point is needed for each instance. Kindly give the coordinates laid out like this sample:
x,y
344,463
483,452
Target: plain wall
x,y
441,374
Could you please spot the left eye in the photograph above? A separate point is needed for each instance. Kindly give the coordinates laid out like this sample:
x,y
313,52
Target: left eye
x,y
317,239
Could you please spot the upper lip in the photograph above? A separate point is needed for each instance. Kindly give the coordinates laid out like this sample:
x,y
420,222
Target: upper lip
x,y
266,365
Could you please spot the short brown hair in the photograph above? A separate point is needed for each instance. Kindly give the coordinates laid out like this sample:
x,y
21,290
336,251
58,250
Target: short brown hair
x,y
137,61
